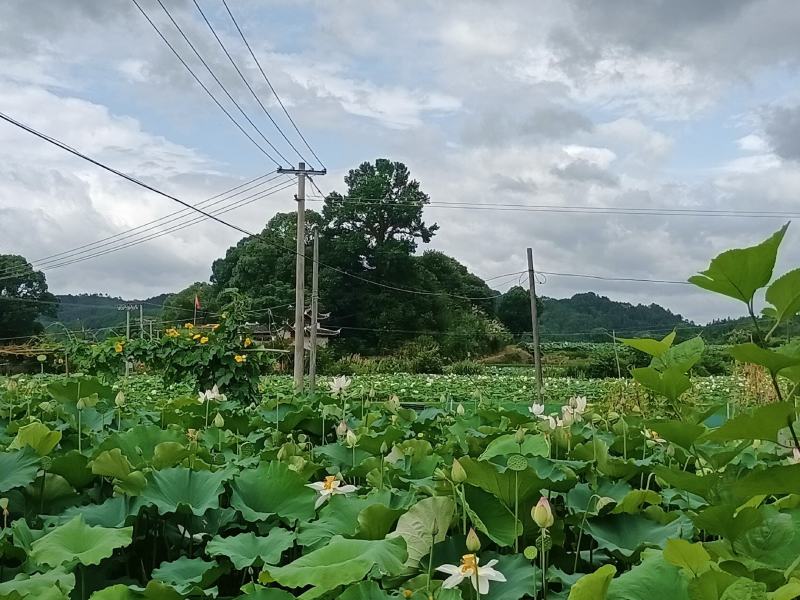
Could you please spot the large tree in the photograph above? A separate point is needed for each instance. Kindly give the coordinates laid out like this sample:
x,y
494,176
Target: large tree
x,y
23,297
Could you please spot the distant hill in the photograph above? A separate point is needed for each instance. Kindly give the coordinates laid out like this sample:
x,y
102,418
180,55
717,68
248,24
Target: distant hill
x,y
99,311
589,317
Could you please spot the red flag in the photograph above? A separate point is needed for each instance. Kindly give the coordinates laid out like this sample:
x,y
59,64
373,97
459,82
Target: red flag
x,y
196,302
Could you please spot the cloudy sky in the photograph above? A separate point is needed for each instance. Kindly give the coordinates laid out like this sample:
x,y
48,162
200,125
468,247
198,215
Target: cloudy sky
x,y
631,103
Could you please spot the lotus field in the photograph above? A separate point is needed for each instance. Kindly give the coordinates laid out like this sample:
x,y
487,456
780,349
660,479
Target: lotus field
x,y
658,486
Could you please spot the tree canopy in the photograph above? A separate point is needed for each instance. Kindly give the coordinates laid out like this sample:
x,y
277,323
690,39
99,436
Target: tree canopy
x,y
23,297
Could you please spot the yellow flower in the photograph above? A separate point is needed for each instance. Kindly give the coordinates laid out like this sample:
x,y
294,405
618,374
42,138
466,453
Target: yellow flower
x,y
172,332
248,342
118,347
240,358
196,336
204,340
188,325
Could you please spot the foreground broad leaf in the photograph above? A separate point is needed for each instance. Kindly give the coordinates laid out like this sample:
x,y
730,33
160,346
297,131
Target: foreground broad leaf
x,y
17,469
247,549
172,488
38,436
425,524
75,541
773,361
39,585
763,423
341,562
185,575
272,489
627,534
593,586
784,295
670,383
692,557
739,273
653,578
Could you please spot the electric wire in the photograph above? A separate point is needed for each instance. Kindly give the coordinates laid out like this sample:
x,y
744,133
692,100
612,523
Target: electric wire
x,y
269,83
202,85
246,82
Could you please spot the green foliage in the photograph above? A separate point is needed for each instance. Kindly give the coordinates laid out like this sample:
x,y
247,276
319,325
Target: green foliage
x,y
25,298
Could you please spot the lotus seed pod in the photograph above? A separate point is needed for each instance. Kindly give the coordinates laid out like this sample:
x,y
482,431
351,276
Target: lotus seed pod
x,y
473,541
457,472
301,438
542,514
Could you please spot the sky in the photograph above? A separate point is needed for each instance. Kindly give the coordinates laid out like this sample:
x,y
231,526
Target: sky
x,y
630,103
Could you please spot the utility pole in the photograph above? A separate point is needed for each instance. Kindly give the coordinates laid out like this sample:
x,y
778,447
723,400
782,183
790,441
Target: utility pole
x,y
151,330
141,322
128,325
300,271
312,355
537,357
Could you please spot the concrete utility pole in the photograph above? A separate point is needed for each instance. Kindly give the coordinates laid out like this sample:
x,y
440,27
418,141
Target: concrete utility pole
x,y
127,325
537,357
312,354
141,322
300,270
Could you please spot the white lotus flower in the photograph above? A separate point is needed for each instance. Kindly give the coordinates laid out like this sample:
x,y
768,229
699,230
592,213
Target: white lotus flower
x,y
537,410
794,459
212,394
479,577
329,487
568,415
339,384
578,404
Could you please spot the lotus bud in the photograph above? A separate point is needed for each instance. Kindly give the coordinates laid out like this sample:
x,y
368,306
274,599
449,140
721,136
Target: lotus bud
x,y
342,428
473,541
457,472
281,453
351,439
603,502
384,447
219,421
439,474
4,504
519,436
460,410
119,400
542,514
81,404
12,385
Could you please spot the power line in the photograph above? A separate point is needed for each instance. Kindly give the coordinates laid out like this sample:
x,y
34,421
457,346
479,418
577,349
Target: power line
x,y
269,83
246,82
150,225
552,208
138,182
605,278
202,85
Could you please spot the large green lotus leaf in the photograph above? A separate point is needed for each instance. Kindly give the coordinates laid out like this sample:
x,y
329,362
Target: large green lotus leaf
x,y
37,436
339,516
139,444
790,591
17,469
187,574
652,578
728,520
710,585
775,541
272,489
763,423
38,585
670,383
112,463
739,273
79,386
774,480
784,295
376,520
246,549
633,501
488,477
627,534
364,590
681,357
113,512
425,523
593,586
54,496
75,541
342,455
256,592
654,348
771,360
692,557
689,482
491,517
172,488
341,562
745,589
533,445
678,432
73,466
521,577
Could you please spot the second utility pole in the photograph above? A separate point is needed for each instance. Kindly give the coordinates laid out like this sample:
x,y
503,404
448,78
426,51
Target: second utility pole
x,y
537,357
300,271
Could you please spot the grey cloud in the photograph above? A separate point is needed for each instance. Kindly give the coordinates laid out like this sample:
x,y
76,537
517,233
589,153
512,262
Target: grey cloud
x,y
782,128
586,172
536,125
